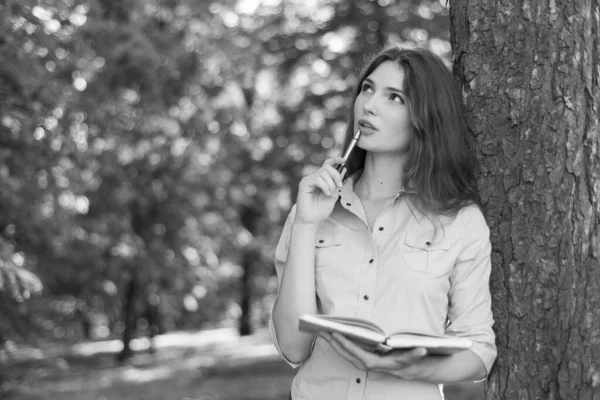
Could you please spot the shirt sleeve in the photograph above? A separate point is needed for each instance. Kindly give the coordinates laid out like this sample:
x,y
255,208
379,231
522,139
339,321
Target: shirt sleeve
x,y
470,302
281,252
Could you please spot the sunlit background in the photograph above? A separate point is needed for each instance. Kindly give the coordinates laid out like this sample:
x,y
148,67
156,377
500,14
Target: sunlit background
x,y
149,154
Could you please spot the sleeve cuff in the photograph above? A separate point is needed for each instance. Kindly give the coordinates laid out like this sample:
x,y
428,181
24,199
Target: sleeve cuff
x,y
487,354
273,336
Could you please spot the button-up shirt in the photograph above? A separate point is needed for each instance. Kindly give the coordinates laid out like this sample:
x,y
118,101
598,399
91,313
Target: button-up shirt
x,y
410,271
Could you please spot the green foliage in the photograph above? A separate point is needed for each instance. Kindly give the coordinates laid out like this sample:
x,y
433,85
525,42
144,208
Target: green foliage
x,y
160,141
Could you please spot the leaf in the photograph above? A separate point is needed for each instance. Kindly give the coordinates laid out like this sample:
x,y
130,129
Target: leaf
x,y
17,282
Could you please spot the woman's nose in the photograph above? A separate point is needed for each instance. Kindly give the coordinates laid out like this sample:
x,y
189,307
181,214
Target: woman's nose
x,y
369,105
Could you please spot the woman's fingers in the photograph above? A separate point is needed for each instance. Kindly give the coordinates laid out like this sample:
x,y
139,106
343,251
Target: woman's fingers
x,y
341,350
335,175
334,161
322,184
318,192
343,172
366,358
409,356
388,362
329,180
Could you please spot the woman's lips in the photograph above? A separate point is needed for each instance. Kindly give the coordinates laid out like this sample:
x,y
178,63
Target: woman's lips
x,y
366,125
366,131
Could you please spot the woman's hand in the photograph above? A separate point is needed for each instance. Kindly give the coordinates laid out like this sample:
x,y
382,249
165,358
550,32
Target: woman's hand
x,y
397,363
318,193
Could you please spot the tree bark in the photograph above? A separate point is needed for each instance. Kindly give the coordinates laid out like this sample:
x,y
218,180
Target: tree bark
x,y
530,75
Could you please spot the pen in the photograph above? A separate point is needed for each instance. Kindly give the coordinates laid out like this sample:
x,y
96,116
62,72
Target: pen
x,y
351,146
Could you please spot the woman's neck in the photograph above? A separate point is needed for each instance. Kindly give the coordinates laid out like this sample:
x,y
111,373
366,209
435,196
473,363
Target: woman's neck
x,y
381,178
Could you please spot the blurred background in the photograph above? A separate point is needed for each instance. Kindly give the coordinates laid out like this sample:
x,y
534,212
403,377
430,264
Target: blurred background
x,y
149,154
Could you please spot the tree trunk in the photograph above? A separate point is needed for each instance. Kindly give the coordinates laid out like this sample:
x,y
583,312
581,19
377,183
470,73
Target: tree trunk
x,y
250,217
245,326
130,317
530,75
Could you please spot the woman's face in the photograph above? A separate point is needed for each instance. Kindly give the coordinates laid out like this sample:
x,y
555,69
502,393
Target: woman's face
x,y
381,112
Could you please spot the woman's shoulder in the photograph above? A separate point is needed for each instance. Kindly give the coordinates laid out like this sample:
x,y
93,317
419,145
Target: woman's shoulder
x,y
471,220
468,219
470,210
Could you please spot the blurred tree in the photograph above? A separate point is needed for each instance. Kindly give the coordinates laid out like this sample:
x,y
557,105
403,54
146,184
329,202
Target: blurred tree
x,y
25,163
531,83
159,144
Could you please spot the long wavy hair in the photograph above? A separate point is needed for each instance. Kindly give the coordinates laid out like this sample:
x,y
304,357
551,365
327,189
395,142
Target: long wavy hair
x,y
440,167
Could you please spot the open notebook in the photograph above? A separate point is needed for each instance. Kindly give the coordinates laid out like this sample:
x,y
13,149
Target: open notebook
x,y
369,335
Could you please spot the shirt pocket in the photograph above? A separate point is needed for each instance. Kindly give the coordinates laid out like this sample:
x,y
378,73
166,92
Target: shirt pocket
x,y
422,254
335,269
328,244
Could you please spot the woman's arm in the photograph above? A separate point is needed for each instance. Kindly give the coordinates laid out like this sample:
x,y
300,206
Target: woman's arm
x,y
317,195
296,294
470,301
462,366
411,364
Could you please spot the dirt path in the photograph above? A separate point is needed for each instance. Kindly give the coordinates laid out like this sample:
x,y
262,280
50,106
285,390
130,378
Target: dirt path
x,y
207,365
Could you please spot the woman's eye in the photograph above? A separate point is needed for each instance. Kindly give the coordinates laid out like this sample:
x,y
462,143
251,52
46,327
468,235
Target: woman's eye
x,y
366,87
397,98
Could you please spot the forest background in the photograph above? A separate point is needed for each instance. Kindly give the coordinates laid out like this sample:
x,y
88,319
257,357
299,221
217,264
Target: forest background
x,y
149,151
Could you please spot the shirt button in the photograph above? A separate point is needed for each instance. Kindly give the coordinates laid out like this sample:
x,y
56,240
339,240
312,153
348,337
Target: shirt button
x,y
381,228
366,297
357,380
371,261
348,204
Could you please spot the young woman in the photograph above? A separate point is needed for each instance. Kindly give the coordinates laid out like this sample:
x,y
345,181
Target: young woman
x,y
396,238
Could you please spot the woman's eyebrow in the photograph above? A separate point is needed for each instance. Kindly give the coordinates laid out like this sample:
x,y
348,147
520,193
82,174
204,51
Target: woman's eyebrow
x,y
393,89
390,88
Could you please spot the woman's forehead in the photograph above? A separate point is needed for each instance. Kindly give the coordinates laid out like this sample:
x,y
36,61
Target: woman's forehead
x,y
388,73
